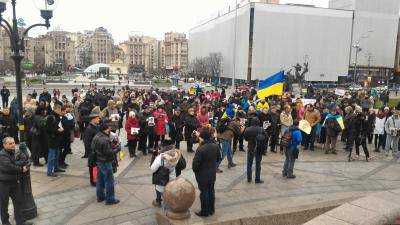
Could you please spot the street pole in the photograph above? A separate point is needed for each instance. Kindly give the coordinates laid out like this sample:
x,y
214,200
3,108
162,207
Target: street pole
x,y
28,206
234,48
355,65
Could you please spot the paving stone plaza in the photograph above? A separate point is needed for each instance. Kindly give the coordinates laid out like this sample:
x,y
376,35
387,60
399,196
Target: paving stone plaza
x,y
321,180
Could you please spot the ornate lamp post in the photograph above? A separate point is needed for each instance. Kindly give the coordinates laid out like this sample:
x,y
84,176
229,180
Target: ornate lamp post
x,y
17,41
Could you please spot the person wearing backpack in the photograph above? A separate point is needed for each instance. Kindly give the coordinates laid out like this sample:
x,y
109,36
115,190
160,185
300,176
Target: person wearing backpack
x,y
226,131
255,137
292,150
162,166
333,130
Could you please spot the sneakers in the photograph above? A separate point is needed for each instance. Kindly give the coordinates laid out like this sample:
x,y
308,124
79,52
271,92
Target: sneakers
x,y
291,177
100,200
259,182
219,171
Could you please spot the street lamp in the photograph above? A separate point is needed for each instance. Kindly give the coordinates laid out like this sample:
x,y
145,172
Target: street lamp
x,y
17,40
358,49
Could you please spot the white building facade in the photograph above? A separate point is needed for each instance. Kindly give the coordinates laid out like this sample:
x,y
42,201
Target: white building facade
x,y
271,37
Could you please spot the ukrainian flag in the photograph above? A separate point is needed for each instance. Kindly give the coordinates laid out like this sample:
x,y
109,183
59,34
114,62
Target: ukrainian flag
x,y
273,85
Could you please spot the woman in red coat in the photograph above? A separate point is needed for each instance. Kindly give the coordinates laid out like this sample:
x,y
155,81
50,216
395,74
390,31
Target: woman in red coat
x,y
161,119
132,128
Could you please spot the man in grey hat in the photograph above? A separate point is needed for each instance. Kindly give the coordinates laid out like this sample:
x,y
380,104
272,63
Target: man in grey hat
x,y
91,130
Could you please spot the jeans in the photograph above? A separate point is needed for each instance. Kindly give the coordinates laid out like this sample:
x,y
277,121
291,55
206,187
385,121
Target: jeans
x,y
7,191
392,141
289,162
250,158
310,139
207,198
52,160
105,180
226,151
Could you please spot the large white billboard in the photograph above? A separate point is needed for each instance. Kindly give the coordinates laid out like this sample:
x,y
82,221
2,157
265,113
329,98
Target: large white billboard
x,y
376,25
218,35
286,35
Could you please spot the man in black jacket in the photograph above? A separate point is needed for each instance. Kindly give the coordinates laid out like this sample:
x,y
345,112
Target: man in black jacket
x,y
205,169
101,144
9,188
90,132
54,131
5,94
255,136
191,124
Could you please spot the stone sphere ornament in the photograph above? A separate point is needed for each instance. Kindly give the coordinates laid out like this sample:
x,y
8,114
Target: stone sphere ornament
x,y
179,196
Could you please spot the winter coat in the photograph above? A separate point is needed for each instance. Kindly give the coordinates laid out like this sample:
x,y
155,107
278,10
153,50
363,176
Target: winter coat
x,y
45,97
392,124
169,160
203,119
131,123
379,125
253,134
161,120
313,117
191,124
9,171
88,136
54,137
286,119
176,127
101,144
205,163
5,93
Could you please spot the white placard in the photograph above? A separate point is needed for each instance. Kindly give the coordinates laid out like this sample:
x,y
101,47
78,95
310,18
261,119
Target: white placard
x,y
340,92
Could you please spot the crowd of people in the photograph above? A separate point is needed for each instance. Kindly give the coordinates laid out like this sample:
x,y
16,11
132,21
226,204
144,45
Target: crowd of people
x,y
157,121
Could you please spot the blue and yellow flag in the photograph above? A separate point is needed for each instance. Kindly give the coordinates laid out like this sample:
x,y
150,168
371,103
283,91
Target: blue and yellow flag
x,y
273,85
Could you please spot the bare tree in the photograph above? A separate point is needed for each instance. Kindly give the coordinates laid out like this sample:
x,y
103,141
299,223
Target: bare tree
x,y
206,67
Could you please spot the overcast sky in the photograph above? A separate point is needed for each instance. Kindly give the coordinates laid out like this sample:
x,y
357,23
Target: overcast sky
x,y
122,17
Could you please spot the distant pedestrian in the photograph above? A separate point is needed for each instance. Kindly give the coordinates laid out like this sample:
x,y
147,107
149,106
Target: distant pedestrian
x,y
5,94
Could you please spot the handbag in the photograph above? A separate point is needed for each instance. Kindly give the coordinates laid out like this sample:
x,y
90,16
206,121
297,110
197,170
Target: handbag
x,y
161,176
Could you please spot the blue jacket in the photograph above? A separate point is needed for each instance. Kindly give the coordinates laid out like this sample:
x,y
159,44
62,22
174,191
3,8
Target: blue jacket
x,y
296,139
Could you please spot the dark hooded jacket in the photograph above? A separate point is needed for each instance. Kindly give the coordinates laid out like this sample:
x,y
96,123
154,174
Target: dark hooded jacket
x,y
254,134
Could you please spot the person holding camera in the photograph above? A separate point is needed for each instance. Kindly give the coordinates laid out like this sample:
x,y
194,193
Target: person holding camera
x,y
392,128
105,155
9,173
